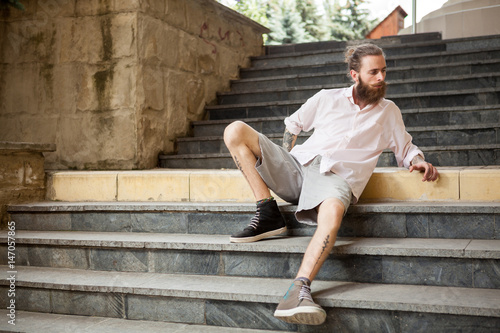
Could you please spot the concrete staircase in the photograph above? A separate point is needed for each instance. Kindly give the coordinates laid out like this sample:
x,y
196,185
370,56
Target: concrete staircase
x,y
448,92
130,251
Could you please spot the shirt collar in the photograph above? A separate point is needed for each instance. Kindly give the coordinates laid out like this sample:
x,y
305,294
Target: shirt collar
x,y
348,93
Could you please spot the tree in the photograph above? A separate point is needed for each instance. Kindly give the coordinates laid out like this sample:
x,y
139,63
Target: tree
x,y
13,3
300,21
315,24
286,24
254,9
348,22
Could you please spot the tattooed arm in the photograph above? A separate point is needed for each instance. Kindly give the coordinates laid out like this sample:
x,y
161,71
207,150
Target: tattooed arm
x,y
289,140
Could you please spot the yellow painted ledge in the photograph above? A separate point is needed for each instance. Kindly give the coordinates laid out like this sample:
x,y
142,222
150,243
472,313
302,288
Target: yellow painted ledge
x,y
482,184
400,184
470,184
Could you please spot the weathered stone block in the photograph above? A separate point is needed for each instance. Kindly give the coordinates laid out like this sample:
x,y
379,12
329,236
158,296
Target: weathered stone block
x,y
19,96
105,55
151,92
81,134
123,89
188,44
88,304
64,80
47,256
54,8
99,7
119,260
27,221
187,262
236,314
82,39
176,13
165,309
124,34
36,300
152,35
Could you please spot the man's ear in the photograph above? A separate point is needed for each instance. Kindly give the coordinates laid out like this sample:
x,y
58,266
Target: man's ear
x,y
354,75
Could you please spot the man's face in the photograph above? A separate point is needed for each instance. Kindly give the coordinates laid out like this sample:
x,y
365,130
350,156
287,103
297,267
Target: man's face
x,y
370,87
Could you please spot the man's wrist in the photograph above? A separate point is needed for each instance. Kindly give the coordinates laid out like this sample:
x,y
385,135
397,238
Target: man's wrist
x,y
417,159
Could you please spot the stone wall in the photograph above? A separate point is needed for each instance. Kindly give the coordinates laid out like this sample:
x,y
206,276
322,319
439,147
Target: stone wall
x,y
22,176
113,83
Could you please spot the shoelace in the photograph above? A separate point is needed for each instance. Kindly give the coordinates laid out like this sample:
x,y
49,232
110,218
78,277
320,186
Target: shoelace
x,y
305,293
254,222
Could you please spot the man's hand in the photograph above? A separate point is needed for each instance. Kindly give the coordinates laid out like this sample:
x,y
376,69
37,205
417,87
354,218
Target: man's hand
x,y
430,172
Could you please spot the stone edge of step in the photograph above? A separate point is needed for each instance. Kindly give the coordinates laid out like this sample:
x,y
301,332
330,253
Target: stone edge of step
x,y
428,299
404,247
445,79
27,321
458,207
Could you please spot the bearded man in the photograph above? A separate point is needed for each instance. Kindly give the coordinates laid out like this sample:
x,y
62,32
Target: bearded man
x,y
323,176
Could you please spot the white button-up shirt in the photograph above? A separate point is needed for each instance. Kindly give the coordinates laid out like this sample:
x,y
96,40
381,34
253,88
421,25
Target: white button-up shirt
x,y
350,140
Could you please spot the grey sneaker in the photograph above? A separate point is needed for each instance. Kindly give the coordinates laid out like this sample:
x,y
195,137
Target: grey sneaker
x,y
298,307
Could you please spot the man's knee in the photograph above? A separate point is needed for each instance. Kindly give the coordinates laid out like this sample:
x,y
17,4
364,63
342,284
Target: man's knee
x,y
238,133
331,211
233,132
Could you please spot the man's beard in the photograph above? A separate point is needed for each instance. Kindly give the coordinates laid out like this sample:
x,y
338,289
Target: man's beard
x,y
369,95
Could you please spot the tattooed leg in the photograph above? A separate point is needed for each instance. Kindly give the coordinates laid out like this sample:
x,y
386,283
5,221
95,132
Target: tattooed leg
x,y
330,215
243,144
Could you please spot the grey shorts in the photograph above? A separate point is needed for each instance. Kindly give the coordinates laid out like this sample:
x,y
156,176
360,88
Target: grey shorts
x,y
298,184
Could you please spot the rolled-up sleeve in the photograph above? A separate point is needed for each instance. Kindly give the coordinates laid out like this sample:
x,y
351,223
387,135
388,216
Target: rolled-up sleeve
x,y
402,144
303,119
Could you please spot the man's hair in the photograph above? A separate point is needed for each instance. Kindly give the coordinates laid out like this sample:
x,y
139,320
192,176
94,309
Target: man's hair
x,y
354,54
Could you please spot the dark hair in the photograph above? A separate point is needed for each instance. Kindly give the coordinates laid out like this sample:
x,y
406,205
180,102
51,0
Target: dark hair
x,y
354,54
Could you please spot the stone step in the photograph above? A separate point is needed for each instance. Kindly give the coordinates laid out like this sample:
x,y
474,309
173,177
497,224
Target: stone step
x,y
274,127
401,55
36,322
429,72
486,98
424,219
462,262
246,302
325,56
393,62
455,147
182,185
411,117
401,89
434,115
449,156
331,45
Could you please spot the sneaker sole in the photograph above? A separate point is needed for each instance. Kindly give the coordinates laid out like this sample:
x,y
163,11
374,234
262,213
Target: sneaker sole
x,y
302,315
257,237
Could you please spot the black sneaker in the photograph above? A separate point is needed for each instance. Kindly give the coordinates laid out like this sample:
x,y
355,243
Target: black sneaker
x,y
267,222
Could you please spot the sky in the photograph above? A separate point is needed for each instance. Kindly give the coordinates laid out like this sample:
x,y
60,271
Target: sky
x,y
381,8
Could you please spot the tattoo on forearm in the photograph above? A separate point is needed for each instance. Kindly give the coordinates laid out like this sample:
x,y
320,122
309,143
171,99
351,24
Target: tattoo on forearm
x,y
325,246
289,140
417,159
